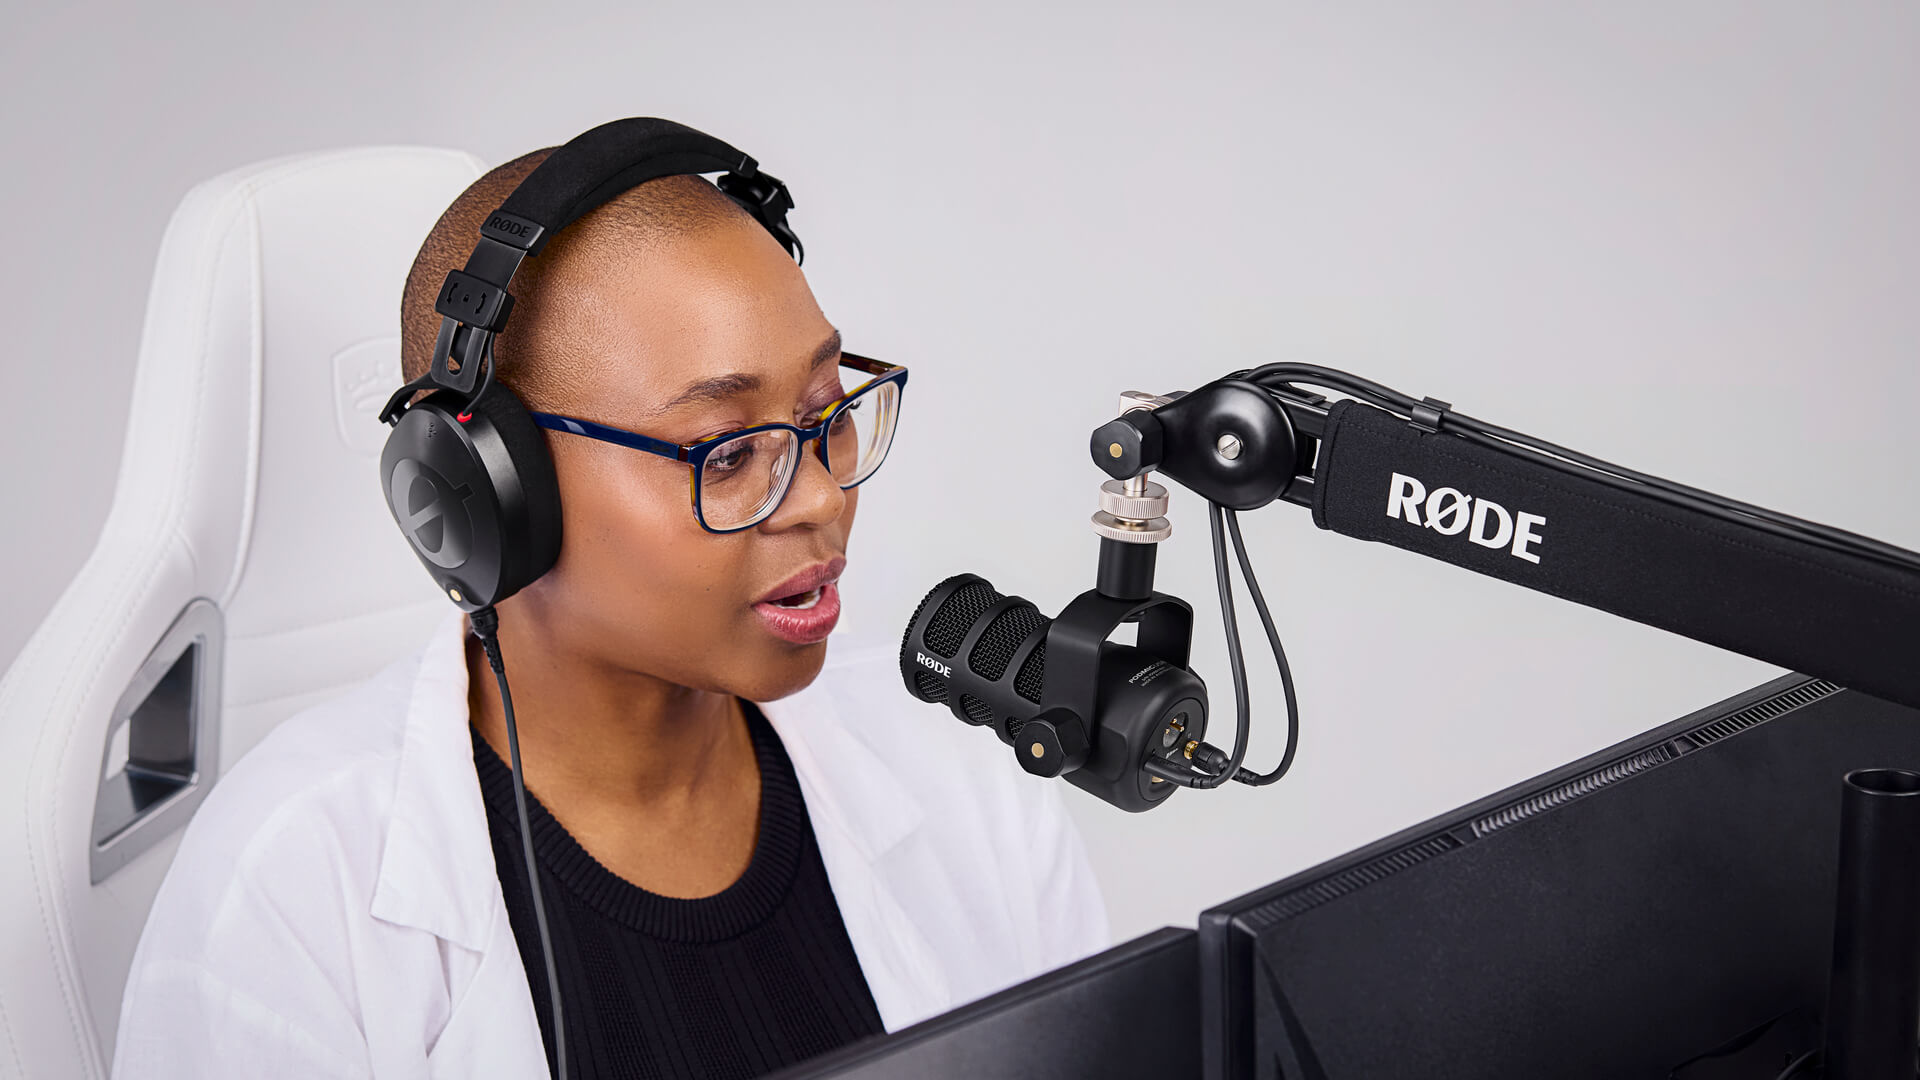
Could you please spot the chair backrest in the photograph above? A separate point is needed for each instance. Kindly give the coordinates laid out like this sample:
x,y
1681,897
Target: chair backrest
x,y
247,568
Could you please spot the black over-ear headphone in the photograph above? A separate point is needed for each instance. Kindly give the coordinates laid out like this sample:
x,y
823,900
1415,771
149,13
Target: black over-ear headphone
x,y
466,471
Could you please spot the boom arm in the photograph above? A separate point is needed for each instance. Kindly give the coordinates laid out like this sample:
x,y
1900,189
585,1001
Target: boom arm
x,y
1417,475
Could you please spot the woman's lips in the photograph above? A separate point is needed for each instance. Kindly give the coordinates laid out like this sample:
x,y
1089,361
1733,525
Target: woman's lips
x,y
803,626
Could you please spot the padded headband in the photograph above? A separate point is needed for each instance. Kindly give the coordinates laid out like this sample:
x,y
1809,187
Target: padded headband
x,y
588,170
599,164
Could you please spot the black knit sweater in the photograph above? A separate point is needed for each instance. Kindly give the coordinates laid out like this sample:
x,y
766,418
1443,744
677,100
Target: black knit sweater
x,y
738,984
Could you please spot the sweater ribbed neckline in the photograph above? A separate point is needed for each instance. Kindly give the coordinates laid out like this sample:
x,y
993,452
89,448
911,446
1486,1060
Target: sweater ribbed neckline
x,y
753,898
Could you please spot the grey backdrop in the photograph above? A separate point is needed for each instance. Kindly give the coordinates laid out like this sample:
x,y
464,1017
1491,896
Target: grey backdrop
x,y
1679,235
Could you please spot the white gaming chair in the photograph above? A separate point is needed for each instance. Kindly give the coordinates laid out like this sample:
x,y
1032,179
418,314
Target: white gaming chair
x,y
248,566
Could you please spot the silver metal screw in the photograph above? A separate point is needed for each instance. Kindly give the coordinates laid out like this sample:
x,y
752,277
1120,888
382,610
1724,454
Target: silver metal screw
x,y
1228,446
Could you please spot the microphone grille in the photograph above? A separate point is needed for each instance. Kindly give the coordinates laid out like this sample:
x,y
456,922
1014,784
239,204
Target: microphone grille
x,y
930,686
956,615
1003,635
977,711
1027,683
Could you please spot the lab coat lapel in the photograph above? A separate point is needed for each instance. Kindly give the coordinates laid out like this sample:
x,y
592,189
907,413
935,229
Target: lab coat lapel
x,y
436,866
862,814
437,871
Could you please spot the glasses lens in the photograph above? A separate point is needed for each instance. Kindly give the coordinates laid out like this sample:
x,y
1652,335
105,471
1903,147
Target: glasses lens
x,y
860,432
743,476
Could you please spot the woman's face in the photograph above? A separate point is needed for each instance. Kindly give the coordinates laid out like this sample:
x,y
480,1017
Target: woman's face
x,y
698,335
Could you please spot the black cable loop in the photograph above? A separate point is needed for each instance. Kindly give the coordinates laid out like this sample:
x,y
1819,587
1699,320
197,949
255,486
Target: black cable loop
x,y
1234,659
1245,776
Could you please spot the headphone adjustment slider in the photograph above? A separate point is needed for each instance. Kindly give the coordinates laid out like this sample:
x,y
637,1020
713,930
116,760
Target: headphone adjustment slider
x,y
473,301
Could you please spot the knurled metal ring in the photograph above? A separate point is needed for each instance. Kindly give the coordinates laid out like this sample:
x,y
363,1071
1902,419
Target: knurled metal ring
x,y
1151,531
1150,504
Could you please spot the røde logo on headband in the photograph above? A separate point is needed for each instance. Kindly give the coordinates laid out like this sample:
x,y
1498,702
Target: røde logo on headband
x,y
501,223
1450,512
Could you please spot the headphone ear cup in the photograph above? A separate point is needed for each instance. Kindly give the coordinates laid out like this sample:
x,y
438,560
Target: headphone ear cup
x,y
476,499
534,525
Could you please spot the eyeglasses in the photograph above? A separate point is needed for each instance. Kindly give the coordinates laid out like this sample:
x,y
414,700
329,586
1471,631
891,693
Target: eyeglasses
x,y
739,477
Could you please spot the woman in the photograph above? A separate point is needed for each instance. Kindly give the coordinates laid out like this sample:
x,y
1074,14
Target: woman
x,y
751,847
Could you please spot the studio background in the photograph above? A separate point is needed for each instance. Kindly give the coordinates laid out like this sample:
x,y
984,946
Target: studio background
x,y
1680,236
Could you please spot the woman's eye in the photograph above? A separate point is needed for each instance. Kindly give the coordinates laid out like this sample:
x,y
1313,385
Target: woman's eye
x,y
730,457
848,414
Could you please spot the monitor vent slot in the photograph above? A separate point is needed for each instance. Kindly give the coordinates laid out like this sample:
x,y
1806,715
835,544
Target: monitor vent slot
x,y
1305,899
1778,705
1571,790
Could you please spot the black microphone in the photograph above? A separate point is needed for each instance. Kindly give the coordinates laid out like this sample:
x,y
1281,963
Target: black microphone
x,y
1068,701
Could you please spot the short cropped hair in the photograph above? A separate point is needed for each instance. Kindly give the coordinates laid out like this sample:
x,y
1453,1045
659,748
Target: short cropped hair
x,y
536,355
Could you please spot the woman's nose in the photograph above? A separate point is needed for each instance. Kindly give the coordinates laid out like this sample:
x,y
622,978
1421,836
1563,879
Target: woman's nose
x,y
813,497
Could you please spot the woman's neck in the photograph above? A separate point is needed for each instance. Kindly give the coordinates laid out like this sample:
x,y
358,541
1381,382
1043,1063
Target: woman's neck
x,y
604,749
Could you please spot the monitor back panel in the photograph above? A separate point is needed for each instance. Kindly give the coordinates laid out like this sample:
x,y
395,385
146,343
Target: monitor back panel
x,y
1614,918
1129,1012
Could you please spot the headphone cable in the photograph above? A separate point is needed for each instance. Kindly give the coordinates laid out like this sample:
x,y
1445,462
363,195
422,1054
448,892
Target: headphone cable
x,y
486,627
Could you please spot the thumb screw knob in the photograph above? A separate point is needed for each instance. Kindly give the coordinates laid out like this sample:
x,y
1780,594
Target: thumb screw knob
x,y
1051,744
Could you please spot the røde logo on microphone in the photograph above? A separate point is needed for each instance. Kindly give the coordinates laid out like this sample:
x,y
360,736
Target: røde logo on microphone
x,y
930,662
1449,512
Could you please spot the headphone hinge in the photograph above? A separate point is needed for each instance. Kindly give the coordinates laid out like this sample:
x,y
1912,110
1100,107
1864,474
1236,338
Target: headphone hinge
x,y
763,195
460,354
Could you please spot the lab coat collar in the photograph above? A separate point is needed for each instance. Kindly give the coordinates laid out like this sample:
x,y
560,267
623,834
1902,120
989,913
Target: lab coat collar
x,y
430,874
437,870
863,817
849,786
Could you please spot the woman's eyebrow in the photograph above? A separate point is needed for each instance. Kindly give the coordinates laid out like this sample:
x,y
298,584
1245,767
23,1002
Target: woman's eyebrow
x,y
721,387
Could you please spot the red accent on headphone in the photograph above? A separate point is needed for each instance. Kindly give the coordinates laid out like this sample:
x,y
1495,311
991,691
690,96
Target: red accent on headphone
x,y
464,417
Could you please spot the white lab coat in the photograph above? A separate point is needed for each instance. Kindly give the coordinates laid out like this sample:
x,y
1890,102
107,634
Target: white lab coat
x,y
334,910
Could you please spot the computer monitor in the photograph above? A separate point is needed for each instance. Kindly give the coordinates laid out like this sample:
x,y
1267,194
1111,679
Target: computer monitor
x,y
1127,1012
1661,908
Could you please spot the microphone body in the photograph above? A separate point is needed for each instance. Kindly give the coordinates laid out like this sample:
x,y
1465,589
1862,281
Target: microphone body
x,y
1069,702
